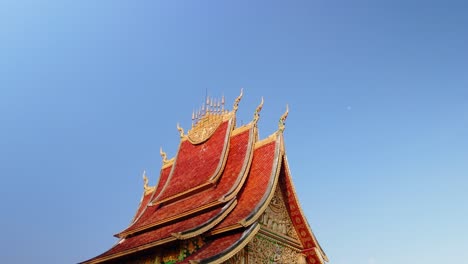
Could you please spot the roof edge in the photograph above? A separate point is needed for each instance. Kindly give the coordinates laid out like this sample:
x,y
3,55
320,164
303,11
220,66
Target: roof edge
x,y
294,196
232,250
262,205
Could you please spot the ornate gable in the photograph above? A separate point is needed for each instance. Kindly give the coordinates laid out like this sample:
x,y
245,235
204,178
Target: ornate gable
x,y
276,219
226,197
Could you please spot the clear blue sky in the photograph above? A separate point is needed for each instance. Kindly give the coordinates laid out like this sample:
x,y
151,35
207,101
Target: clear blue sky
x,y
377,136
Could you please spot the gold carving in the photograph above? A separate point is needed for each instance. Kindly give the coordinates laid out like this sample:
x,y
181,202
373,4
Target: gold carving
x,y
148,189
207,119
163,155
265,251
282,121
236,102
276,217
181,130
257,112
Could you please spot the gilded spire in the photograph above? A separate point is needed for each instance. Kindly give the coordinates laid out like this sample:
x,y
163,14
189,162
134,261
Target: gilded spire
x,y
257,112
181,130
282,120
236,102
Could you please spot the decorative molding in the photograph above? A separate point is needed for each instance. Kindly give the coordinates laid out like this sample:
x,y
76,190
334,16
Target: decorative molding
x,y
276,217
238,258
181,131
236,102
257,112
148,189
264,250
282,120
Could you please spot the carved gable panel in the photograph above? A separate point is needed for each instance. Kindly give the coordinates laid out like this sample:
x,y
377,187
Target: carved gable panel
x,y
276,217
263,250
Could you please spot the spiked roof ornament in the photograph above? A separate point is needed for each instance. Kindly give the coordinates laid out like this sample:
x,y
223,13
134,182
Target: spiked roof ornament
x,y
257,112
282,120
236,102
181,130
146,187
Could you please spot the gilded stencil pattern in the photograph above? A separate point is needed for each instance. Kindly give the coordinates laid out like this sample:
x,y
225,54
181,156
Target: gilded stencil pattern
x,y
276,217
264,251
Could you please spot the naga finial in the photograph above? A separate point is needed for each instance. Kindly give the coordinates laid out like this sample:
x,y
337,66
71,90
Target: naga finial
x,y
181,130
282,120
146,187
236,102
145,180
163,155
257,111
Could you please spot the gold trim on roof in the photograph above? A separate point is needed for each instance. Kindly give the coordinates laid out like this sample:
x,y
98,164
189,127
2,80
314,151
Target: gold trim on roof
x,y
236,102
148,189
207,119
205,227
282,120
165,161
257,112
181,130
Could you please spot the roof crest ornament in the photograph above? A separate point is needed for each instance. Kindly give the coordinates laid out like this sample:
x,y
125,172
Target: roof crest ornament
x,y
236,102
257,112
282,120
204,122
181,130
147,188
163,155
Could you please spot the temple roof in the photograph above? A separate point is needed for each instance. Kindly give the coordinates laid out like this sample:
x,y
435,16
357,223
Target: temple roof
x,y
217,186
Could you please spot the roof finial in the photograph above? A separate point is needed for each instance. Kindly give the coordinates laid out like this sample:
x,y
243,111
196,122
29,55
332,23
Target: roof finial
x,y
193,117
146,187
163,155
257,111
219,107
282,120
222,104
236,102
145,180
181,130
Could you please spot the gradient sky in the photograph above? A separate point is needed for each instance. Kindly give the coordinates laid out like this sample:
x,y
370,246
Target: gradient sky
x,y
377,136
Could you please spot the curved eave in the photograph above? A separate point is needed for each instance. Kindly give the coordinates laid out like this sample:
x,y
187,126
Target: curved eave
x,y
198,230
146,198
232,180
179,230
253,199
244,171
273,181
307,237
223,247
170,193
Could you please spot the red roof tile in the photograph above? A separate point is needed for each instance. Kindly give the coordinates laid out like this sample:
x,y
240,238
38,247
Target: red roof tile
x,y
222,245
142,239
197,164
299,221
147,197
235,170
258,184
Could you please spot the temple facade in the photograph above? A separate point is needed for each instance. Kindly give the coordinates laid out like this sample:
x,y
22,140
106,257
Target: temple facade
x,y
226,197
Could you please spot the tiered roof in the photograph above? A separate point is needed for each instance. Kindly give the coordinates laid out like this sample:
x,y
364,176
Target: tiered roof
x,y
217,186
